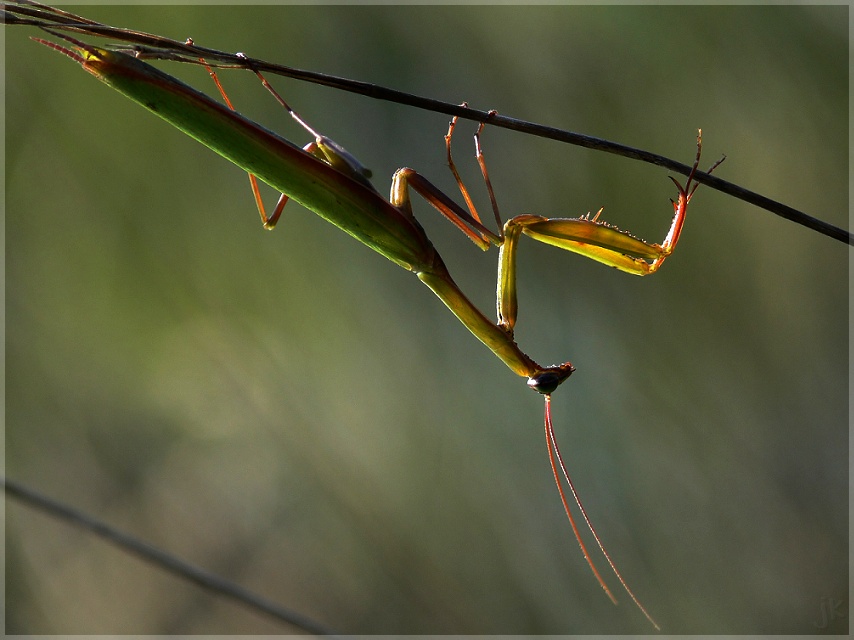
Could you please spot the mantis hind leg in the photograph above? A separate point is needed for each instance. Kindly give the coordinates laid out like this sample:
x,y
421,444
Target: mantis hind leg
x,y
324,149
268,221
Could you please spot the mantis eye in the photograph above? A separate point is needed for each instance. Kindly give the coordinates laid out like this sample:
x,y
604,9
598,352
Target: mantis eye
x,y
550,379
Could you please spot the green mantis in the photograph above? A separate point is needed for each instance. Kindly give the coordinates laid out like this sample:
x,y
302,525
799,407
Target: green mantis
x,y
326,179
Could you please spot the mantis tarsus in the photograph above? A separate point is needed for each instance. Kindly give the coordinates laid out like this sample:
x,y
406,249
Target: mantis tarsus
x,y
329,181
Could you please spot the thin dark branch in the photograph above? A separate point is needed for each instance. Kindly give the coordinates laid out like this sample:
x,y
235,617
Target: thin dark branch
x,y
160,558
146,45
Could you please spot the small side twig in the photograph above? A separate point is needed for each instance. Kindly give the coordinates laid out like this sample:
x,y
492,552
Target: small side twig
x,y
160,558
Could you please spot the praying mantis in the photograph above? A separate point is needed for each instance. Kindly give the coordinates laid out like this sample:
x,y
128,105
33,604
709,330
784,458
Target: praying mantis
x,y
328,180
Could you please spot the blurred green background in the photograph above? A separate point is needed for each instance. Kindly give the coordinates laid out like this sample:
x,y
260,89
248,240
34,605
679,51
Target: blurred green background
x,y
296,413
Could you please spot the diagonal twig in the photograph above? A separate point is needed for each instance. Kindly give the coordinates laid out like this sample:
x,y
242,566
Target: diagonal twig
x,y
160,558
146,45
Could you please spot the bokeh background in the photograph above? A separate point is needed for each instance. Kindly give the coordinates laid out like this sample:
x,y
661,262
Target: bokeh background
x,y
296,413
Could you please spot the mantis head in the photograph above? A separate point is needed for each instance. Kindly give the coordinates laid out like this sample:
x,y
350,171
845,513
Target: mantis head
x,y
547,380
